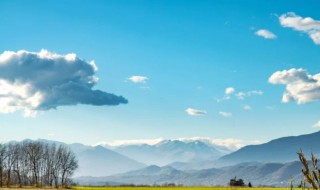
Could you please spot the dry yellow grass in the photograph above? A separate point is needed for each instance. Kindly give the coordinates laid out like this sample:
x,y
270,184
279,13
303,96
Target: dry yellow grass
x,y
181,188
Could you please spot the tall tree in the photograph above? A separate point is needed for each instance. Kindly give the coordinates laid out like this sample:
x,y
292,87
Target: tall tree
x,y
3,156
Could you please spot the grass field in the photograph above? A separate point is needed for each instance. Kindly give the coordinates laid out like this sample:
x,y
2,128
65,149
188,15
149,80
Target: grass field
x,y
181,188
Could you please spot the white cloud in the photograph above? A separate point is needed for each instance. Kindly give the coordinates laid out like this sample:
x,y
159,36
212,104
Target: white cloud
x,y
225,114
229,90
247,107
233,144
265,34
242,95
195,112
32,81
300,85
224,98
307,25
138,79
317,124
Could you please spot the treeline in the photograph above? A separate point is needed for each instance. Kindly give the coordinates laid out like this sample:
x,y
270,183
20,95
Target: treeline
x,y
34,163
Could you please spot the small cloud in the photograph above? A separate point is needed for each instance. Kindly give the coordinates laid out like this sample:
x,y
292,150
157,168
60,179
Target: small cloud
x,y
265,34
51,134
316,125
138,79
195,112
254,92
225,114
229,90
306,25
224,98
247,107
242,95
300,85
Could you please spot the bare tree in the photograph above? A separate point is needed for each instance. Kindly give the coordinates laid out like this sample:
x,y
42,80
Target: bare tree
x,y
20,163
12,157
36,163
34,153
69,164
3,156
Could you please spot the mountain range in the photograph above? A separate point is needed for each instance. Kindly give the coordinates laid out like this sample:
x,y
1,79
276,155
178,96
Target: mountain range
x,y
193,162
271,174
279,150
104,160
169,151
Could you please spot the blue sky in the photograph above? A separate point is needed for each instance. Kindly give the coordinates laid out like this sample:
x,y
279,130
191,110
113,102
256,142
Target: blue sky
x,y
190,52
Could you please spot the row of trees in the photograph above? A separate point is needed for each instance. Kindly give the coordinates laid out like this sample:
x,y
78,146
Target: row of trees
x,y
34,163
238,182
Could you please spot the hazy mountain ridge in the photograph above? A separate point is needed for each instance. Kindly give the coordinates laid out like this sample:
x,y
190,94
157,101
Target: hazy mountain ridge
x,y
273,174
97,161
271,163
278,150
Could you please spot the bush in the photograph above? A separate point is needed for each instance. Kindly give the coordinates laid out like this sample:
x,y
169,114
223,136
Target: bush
x,y
236,182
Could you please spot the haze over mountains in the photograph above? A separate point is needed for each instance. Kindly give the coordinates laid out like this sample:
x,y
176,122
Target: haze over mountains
x,y
169,151
278,150
193,162
271,174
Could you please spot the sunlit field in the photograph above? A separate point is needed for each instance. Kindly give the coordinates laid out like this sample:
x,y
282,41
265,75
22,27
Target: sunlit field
x,y
181,188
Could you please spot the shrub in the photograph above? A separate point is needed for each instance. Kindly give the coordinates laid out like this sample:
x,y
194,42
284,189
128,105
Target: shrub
x,y
236,182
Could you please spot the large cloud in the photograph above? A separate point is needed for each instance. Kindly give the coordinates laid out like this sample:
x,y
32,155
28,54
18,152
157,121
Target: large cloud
x,y
32,81
307,25
300,85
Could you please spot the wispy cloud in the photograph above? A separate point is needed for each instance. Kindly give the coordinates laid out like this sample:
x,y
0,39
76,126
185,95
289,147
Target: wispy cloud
x,y
227,94
195,112
300,85
265,34
307,25
33,81
138,79
317,124
242,95
225,114
230,92
247,107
